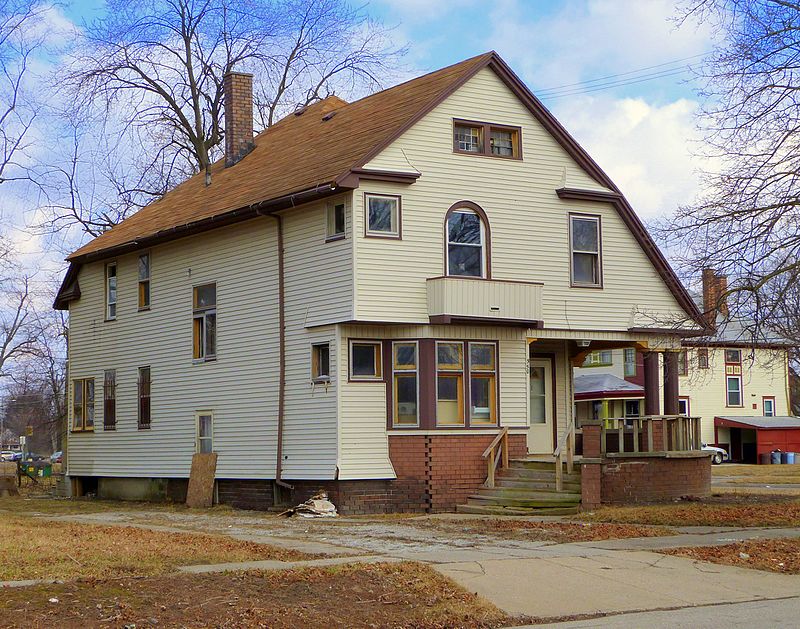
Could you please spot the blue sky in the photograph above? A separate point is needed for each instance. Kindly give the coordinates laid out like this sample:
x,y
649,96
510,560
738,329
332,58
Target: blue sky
x,y
639,127
639,124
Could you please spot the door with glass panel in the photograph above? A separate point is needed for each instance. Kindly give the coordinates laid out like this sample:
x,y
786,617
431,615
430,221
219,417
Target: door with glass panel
x,y
540,406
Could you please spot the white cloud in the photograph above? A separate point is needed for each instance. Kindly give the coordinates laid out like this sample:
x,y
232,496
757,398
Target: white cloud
x,y
646,149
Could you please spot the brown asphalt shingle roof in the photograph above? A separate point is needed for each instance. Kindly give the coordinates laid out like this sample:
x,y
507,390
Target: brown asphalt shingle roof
x,y
296,154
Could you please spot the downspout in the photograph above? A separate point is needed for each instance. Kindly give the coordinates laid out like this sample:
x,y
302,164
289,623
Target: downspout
x,y
282,334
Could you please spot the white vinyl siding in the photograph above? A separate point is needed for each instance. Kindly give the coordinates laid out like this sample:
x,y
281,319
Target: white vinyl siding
x,y
242,384
529,223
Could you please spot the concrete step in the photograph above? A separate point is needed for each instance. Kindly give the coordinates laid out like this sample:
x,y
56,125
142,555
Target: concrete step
x,y
531,500
523,473
497,510
524,492
536,485
532,465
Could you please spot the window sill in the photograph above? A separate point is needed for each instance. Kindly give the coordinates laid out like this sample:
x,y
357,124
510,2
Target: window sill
x,y
335,237
109,320
202,361
384,236
144,309
321,380
578,285
513,158
74,430
360,379
109,428
143,427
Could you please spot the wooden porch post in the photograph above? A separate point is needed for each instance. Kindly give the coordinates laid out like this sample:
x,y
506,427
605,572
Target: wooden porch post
x,y
651,405
671,383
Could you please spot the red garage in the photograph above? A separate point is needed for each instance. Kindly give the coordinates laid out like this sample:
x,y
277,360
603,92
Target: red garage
x,y
746,438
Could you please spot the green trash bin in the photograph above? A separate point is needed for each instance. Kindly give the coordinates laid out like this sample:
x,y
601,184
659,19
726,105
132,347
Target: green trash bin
x,y
46,470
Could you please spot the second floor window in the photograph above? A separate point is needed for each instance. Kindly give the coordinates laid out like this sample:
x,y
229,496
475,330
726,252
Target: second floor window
x,y
110,400
365,360
204,312
334,222
321,362
479,138
702,358
111,291
683,363
630,361
144,398
584,236
383,216
599,358
466,244
144,281
733,385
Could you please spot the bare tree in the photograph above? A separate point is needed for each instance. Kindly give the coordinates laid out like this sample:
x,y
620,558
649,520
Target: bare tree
x,y
18,40
746,222
17,333
149,76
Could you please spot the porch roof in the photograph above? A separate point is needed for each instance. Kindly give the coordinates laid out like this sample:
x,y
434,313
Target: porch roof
x,y
605,385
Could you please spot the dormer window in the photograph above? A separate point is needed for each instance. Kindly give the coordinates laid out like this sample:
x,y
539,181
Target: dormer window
x,y
481,138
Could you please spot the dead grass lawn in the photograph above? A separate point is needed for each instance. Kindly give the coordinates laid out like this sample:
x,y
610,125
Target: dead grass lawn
x,y
377,595
774,555
33,548
745,510
757,474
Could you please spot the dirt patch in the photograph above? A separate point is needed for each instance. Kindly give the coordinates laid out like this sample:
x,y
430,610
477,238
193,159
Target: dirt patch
x,y
774,555
757,474
377,595
745,510
37,549
533,530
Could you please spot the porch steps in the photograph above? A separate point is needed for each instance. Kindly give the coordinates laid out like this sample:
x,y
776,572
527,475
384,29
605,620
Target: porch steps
x,y
527,487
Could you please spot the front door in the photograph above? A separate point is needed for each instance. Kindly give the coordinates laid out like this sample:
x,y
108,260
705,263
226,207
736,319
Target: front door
x,y
540,407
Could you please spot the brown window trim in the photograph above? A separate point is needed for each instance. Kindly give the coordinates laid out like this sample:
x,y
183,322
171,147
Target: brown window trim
x,y
469,205
368,233
380,363
702,352
426,373
316,378
331,207
107,266
572,283
487,145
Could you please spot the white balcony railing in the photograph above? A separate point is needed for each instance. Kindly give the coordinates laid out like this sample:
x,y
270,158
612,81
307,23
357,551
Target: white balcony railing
x,y
504,301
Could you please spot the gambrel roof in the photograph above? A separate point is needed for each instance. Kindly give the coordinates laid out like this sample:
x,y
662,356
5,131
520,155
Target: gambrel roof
x,y
322,150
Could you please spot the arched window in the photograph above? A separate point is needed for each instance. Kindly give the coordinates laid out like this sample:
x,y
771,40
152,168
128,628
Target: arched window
x,y
467,240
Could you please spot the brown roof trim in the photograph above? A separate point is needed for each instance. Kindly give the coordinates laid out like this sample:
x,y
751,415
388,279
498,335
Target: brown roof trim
x,y
64,295
682,332
69,289
642,236
352,178
737,344
519,323
599,395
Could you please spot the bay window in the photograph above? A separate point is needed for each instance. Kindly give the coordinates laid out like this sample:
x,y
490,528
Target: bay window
x,y
450,383
482,383
405,391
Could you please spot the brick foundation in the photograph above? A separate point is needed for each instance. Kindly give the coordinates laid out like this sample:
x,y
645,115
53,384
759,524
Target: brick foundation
x,y
655,479
246,494
634,479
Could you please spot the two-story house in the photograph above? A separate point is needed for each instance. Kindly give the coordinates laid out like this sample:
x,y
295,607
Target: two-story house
x,y
361,298
724,376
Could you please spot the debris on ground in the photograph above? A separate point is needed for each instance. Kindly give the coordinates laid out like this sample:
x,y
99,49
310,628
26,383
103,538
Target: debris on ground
x,y
318,506
773,555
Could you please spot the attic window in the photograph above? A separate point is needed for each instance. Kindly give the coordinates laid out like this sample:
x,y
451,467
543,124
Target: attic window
x,y
482,138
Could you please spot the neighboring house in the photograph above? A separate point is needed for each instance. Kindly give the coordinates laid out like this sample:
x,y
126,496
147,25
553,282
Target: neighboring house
x,y
360,298
722,375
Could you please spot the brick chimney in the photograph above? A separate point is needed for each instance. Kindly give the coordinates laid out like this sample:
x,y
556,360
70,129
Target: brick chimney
x,y
238,95
714,299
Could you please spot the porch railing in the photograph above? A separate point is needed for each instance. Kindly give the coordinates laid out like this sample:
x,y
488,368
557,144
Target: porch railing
x,y
565,452
496,455
653,433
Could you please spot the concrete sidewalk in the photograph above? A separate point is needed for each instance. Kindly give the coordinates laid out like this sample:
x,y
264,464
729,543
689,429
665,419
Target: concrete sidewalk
x,y
613,582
